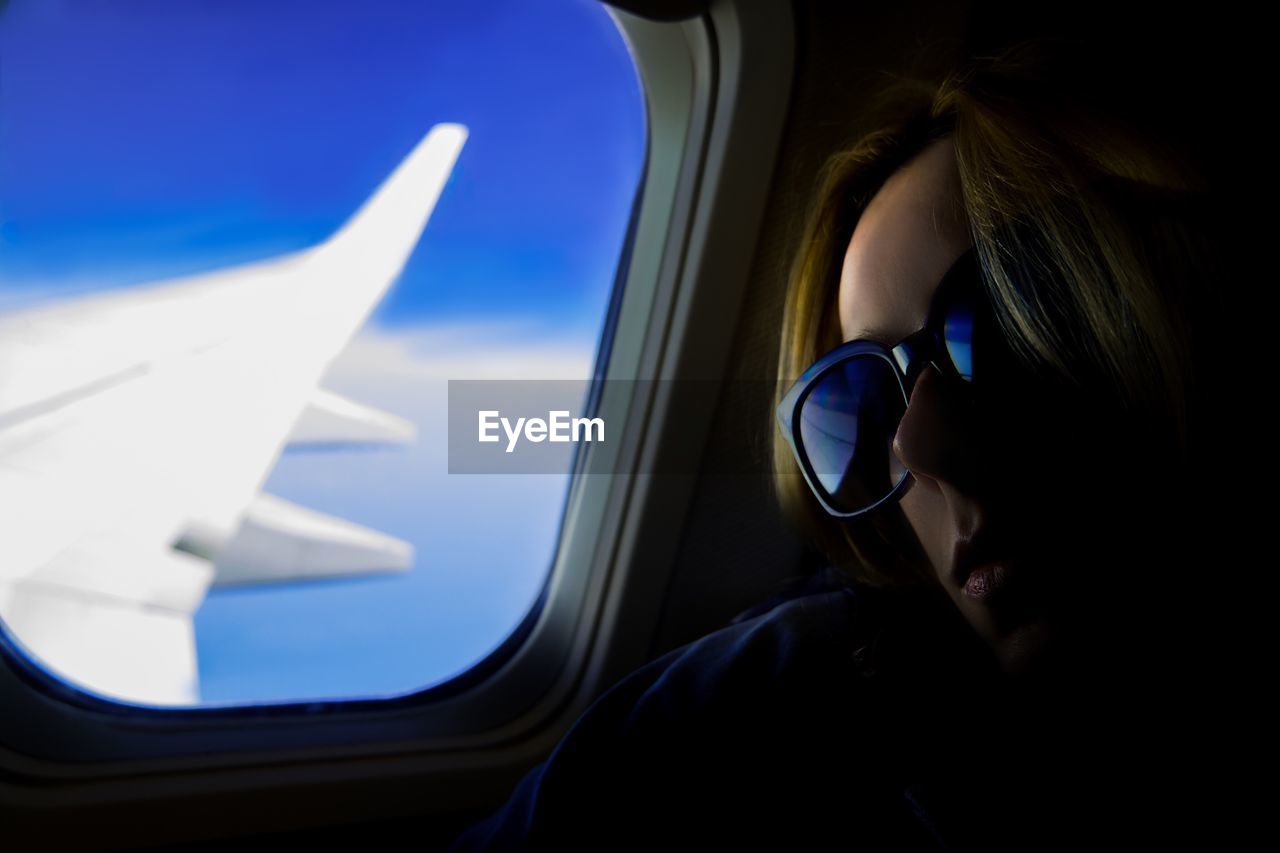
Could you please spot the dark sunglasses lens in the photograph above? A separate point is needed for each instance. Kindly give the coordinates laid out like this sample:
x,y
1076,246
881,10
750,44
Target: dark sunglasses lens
x,y
847,424
963,314
977,345
957,332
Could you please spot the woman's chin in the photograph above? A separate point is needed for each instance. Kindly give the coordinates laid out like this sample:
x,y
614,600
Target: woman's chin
x,y
1024,651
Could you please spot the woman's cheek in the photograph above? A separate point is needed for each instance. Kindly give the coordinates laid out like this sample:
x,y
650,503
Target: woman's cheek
x,y
925,511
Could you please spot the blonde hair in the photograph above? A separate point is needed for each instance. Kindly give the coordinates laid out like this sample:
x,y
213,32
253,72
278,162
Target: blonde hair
x,y
1089,234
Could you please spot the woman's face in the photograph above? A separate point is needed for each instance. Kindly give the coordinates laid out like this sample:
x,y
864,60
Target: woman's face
x,y
970,504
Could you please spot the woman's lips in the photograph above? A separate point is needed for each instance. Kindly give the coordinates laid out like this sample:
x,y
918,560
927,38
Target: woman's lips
x,y
985,580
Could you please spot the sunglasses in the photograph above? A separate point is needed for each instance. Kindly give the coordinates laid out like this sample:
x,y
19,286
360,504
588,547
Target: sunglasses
x,y
840,417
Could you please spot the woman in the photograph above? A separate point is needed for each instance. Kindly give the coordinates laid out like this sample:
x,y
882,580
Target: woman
x,y
1078,252
990,424
1037,457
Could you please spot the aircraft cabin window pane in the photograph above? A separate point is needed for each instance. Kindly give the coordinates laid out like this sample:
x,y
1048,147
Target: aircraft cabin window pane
x,y
243,247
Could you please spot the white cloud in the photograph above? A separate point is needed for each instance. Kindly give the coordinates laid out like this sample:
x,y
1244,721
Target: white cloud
x,y
484,349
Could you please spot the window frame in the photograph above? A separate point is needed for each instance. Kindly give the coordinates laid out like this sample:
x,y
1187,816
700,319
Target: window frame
x,y
717,88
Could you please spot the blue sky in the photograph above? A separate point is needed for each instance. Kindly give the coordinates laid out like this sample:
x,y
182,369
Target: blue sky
x,y
148,139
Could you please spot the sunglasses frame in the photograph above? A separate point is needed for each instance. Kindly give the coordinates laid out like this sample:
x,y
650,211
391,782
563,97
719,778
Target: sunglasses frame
x,y
908,358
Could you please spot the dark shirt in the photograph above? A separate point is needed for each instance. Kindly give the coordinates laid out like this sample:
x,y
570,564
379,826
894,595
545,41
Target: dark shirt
x,y
846,715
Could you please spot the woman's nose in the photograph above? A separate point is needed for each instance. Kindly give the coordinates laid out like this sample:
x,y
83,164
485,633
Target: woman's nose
x,y
935,439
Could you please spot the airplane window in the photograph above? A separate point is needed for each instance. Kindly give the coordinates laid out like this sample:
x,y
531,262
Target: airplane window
x,y
243,248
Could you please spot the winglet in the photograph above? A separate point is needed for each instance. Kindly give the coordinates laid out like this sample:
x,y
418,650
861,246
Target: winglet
x,y
378,239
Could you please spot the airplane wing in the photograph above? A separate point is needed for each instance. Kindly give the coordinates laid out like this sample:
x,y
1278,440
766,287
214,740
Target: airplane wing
x,y
137,428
